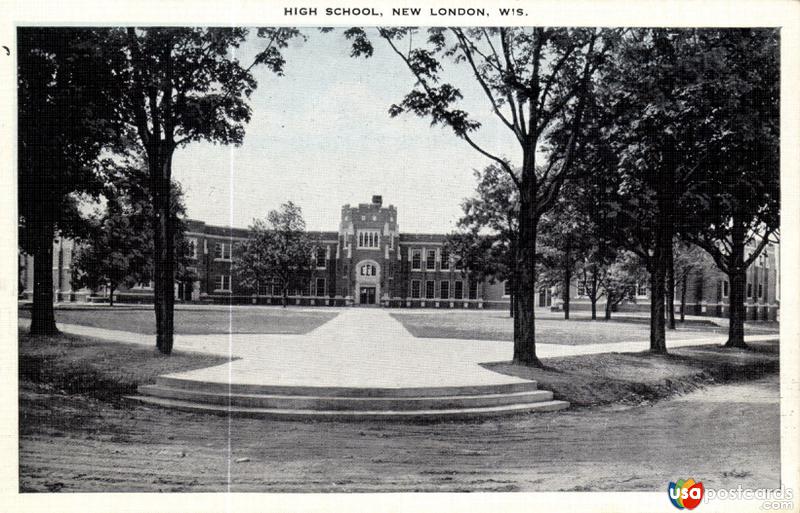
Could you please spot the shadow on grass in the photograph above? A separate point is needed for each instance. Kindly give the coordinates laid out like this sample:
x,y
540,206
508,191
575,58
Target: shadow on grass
x,y
634,378
70,365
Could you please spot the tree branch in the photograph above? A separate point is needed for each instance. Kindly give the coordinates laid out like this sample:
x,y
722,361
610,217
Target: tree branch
x,y
467,51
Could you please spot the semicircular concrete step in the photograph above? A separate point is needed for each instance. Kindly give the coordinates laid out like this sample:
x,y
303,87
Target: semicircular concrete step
x,y
355,415
342,403
322,391
331,402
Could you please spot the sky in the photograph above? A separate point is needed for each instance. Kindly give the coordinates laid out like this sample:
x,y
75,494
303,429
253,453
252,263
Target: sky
x,y
321,136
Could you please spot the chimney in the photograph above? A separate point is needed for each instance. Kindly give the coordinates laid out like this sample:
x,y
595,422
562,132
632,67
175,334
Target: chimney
x,y
377,200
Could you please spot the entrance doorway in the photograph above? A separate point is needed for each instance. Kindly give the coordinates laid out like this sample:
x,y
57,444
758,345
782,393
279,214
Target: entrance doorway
x,y
367,296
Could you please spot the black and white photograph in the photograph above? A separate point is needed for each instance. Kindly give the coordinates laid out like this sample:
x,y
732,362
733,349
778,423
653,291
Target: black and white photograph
x,y
374,249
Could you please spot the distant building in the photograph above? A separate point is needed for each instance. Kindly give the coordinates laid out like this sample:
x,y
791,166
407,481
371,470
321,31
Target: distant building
x,y
368,261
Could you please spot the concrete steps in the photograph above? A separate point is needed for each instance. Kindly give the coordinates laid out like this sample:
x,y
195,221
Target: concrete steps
x,y
341,403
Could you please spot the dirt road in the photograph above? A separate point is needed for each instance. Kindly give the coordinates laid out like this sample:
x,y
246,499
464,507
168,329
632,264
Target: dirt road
x,y
723,435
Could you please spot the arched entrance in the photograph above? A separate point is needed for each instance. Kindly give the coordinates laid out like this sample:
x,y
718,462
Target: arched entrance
x,y
368,282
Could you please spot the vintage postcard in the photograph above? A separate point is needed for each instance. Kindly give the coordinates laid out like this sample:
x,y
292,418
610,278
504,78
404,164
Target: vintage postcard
x,y
382,256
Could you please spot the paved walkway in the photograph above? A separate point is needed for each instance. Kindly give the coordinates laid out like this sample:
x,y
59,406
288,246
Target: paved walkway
x,y
361,348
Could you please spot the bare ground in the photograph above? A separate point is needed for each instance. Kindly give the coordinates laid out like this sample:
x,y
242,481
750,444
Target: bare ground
x,y
74,440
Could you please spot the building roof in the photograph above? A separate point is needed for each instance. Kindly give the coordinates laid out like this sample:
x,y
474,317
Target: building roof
x,y
193,225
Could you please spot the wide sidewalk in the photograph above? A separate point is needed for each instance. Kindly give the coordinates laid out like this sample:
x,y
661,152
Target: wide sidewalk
x,y
361,348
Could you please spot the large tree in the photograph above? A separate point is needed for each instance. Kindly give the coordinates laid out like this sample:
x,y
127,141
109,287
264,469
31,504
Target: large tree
x,y
488,229
653,119
533,79
184,85
567,240
619,280
277,251
67,101
117,249
739,207
690,262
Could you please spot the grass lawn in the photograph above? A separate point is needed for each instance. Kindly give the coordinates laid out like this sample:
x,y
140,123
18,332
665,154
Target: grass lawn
x,y
106,370
498,326
639,377
197,322
78,434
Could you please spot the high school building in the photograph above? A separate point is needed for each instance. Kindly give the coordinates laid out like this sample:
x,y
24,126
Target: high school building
x,y
369,261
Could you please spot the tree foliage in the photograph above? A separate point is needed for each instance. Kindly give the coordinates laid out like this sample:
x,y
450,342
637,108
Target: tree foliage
x,y
67,113
182,85
534,80
117,249
488,229
278,251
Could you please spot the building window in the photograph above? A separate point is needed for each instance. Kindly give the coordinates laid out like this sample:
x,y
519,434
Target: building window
x,y
458,264
367,270
415,289
222,251
430,289
445,259
507,288
444,290
369,239
191,248
416,260
749,290
320,258
265,289
473,289
430,260
223,283
641,289
725,288
760,290
458,292
320,286
581,289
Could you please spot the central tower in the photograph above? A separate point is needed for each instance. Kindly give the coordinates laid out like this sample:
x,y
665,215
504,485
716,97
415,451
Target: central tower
x,y
368,249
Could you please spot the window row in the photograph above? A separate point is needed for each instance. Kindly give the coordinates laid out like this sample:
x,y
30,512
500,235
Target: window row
x,y
222,251
222,283
430,260
369,239
444,290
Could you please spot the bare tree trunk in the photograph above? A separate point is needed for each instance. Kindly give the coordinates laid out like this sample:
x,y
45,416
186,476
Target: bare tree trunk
x,y
658,341
525,344
683,296
285,296
512,297
608,307
43,320
111,296
738,279
163,247
565,290
670,288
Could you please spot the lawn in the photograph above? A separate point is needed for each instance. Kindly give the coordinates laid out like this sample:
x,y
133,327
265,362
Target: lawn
x,y
79,365
78,434
641,377
498,326
199,321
